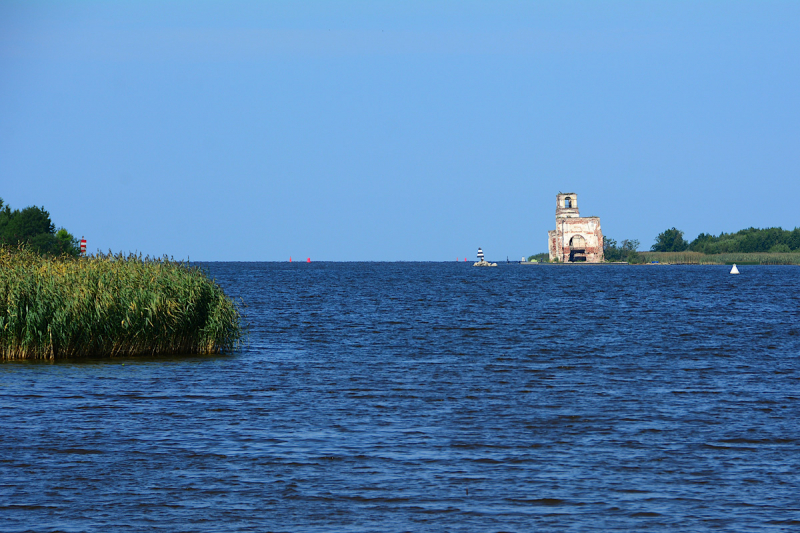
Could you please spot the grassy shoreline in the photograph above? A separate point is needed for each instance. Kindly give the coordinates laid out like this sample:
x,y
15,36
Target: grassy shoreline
x,y
110,305
698,258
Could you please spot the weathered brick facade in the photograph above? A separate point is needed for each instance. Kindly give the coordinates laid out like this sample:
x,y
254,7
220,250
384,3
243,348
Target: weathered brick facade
x,y
575,238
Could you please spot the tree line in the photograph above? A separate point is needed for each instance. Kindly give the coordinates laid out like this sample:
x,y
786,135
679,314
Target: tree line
x,y
627,250
612,251
750,240
33,228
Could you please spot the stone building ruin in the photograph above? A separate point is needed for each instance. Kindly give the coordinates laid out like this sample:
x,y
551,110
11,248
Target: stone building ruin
x,y
576,238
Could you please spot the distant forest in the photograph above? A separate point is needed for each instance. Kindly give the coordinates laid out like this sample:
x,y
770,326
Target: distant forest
x,y
33,228
750,240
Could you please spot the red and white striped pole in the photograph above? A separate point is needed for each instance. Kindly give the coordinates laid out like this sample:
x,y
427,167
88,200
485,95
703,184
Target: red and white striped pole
x,y
83,246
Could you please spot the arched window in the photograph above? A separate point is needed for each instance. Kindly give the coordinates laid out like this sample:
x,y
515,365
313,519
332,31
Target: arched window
x,y
577,243
567,202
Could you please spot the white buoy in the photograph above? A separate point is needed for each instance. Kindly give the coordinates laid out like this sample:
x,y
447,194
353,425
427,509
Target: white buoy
x,y
734,270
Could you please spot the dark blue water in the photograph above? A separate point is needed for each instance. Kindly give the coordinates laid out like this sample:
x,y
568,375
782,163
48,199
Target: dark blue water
x,y
432,397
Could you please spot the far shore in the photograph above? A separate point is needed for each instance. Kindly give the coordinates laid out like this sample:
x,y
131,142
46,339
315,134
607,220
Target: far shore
x,y
697,258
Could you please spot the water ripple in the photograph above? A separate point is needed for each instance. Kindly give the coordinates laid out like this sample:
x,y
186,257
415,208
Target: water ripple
x,y
431,397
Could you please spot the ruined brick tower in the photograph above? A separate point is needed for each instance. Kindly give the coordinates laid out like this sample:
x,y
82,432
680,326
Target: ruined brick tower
x,y
575,238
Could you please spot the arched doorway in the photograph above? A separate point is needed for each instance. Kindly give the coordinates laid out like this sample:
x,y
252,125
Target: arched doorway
x,y
577,249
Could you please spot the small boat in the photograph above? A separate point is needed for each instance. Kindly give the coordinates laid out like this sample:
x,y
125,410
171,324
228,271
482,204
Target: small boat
x,y
734,270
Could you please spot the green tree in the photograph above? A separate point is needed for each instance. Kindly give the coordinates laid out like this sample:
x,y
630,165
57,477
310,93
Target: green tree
x,y
5,217
32,226
670,240
611,251
748,240
780,249
626,251
793,239
541,258
28,223
702,242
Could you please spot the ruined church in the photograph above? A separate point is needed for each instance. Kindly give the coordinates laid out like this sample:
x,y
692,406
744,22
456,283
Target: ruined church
x,y
575,238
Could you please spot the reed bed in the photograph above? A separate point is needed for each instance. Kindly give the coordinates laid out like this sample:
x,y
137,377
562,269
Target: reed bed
x,y
110,305
697,258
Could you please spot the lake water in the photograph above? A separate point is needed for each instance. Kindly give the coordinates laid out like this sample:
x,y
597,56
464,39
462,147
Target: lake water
x,y
432,397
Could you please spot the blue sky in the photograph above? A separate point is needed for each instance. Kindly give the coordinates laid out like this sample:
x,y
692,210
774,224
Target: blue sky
x,y
396,130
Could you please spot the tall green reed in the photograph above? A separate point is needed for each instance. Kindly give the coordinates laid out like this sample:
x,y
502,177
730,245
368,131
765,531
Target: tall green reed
x,y
697,258
110,305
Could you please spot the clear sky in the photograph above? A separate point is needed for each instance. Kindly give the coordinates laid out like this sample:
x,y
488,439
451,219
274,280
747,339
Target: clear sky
x,y
396,130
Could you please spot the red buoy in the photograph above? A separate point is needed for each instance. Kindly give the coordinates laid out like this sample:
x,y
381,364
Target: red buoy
x,y
309,260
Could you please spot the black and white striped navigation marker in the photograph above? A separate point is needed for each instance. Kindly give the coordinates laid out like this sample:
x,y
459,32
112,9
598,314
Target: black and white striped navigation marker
x,y
482,262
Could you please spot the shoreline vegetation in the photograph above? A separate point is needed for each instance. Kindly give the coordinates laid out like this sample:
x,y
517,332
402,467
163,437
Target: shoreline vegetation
x,y
751,246
699,258
33,228
110,305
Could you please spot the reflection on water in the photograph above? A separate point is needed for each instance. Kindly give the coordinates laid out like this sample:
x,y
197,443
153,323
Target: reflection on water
x,y
431,397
